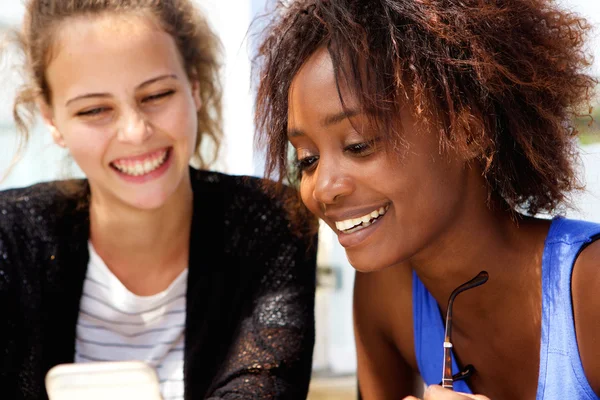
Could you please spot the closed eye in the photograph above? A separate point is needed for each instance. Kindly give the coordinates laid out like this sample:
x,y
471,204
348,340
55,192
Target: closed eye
x,y
158,96
92,112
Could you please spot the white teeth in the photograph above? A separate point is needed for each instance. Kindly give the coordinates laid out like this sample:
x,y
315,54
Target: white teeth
x,y
138,168
355,224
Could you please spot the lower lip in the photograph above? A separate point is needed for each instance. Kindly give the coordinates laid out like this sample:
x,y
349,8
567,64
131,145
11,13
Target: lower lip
x,y
157,173
353,239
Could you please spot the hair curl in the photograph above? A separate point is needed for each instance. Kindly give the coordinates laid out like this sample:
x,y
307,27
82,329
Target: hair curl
x,y
198,46
499,79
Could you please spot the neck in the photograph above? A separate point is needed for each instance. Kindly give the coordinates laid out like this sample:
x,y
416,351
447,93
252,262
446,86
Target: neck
x,y
484,238
143,245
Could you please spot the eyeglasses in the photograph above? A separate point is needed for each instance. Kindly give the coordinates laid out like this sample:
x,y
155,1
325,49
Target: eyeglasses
x,y
447,378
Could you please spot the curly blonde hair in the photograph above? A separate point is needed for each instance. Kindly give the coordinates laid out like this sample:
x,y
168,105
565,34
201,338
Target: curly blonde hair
x,y
197,45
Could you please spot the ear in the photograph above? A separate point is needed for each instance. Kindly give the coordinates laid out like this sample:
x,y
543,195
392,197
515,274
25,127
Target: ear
x,y
196,94
48,117
476,141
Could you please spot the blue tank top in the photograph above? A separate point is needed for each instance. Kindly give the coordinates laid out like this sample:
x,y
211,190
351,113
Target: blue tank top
x,y
561,374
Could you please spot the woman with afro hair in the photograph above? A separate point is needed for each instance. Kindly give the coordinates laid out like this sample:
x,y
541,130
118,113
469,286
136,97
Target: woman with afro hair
x,y
430,135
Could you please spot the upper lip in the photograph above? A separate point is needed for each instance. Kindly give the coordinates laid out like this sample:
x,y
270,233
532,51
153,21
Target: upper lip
x,y
342,215
141,156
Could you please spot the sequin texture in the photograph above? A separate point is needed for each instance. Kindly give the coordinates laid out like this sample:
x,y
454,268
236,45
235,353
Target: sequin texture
x,y
250,299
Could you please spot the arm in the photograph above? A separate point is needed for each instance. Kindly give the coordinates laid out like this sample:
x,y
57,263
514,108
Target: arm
x,y
271,356
586,310
383,372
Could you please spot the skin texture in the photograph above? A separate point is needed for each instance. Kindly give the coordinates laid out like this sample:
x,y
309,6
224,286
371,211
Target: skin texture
x,y
439,224
585,284
119,90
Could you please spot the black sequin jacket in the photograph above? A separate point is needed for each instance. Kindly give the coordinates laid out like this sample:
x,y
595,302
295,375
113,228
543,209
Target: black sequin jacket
x,y
250,296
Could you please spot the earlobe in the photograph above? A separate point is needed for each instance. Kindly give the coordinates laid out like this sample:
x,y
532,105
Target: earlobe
x,y
56,136
48,117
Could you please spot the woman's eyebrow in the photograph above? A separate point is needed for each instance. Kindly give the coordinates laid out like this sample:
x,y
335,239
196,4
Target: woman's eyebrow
x,y
338,117
158,78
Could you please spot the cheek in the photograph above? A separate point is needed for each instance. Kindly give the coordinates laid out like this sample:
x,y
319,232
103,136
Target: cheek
x,y
432,195
444,181
86,145
180,121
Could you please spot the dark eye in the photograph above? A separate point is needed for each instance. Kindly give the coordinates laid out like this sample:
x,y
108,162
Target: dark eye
x,y
157,96
363,148
307,163
92,112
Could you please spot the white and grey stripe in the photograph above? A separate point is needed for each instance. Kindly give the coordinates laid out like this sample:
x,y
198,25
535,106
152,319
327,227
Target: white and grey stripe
x,y
117,325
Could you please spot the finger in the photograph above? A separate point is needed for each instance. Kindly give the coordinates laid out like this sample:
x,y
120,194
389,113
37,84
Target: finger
x,y
410,398
435,392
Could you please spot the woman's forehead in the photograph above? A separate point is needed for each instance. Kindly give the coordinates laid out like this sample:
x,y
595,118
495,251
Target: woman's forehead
x,y
94,57
318,80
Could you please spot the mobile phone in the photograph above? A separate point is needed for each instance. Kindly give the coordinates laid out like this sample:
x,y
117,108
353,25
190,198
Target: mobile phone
x,y
121,380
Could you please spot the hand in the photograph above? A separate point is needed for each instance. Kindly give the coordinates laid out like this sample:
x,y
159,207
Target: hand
x,y
435,392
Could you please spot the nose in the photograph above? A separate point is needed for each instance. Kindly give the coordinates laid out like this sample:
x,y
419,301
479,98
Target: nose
x,y
331,183
134,128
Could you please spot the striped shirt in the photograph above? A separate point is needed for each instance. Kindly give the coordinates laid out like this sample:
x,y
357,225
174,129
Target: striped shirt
x,y
117,325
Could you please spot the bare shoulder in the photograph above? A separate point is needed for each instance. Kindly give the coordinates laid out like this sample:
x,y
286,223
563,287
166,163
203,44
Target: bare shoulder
x,y
383,300
586,309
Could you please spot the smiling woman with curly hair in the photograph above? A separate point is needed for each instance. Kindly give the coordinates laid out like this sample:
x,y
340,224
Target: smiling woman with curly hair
x,y
195,273
428,135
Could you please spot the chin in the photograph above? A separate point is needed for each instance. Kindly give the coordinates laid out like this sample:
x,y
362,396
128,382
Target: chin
x,y
148,202
362,264
153,195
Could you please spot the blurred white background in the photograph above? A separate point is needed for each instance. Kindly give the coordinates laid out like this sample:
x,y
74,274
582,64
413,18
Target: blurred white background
x,y
334,351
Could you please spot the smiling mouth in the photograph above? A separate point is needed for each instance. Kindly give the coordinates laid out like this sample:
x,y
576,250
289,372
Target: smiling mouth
x,y
355,224
144,166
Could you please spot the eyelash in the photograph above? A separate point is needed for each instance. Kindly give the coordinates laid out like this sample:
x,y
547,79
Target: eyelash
x,y
99,110
306,163
362,149
158,96
92,112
